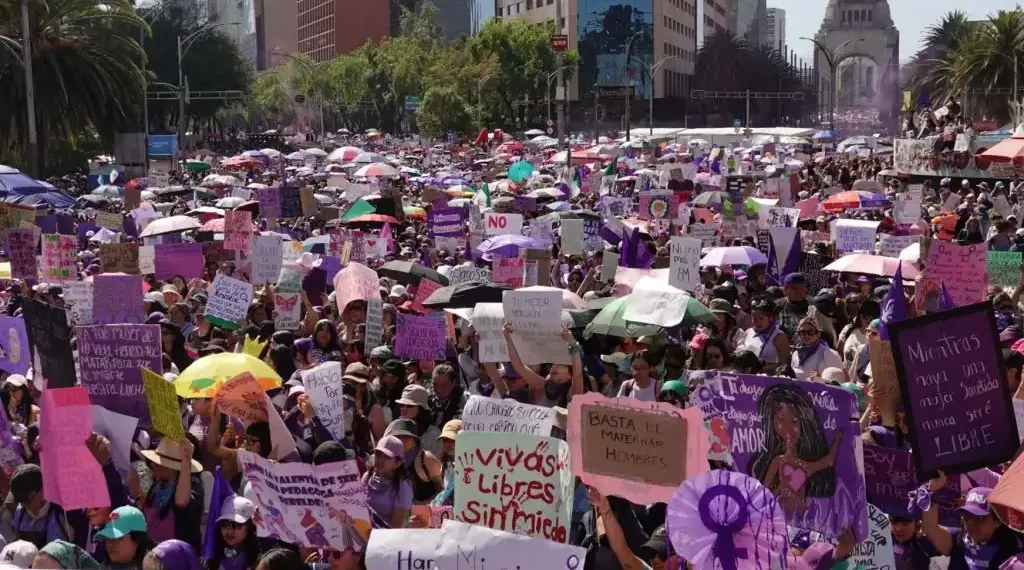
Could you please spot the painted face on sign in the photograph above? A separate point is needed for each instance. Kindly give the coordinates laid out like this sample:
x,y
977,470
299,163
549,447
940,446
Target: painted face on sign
x,y
786,425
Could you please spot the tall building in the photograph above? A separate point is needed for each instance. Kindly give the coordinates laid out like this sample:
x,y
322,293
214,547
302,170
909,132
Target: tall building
x,y
277,32
327,28
714,14
745,19
773,33
455,17
480,12
237,19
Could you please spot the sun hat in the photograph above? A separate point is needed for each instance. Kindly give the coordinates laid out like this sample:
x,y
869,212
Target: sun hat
x,y
357,372
415,395
720,306
236,509
451,430
155,297
168,454
122,522
391,446
402,426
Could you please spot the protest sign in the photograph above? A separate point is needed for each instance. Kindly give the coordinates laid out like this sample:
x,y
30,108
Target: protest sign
x,y
742,412
238,230
229,301
15,356
499,224
961,268
402,548
322,506
891,245
537,270
109,359
889,478
289,280
508,270
270,201
162,400
706,233
446,222
493,472
72,478
421,337
50,337
356,282
120,258
461,275
906,209
423,292
592,240
117,298
109,220
374,335
287,311
855,235
506,416
572,237
536,321
1004,268
609,264
323,386
310,205
78,302
472,547
21,252
147,260
1006,499
783,217
119,429
876,551
684,257
812,266
241,397
954,391
488,320
58,255
291,202
171,259
266,259
659,205
631,449
655,302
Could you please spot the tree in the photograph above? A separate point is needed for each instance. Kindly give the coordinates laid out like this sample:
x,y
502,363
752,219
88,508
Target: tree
x,y
86,70
443,110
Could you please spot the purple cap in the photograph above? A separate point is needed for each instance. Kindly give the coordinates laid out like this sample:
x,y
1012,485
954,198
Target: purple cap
x,y
176,555
976,502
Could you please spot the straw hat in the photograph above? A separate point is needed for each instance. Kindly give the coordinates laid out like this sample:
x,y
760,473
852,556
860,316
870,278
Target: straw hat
x,y
168,454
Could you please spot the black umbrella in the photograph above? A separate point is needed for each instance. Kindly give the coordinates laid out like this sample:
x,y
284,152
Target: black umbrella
x,y
465,295
408,273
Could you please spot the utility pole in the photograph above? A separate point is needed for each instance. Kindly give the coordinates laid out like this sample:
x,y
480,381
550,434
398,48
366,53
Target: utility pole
x,y
560,62
30,92
629,94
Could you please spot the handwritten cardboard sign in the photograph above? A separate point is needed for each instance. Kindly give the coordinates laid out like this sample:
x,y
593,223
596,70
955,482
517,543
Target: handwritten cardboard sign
x,y
173,259
640,451
15,354
499,224
109,359
1004,268
238,230
120,258
50,337
21,251
684,273
323,386
508,270
461,275
162,399
491,468
952,380
488,320
469,547
1006,499
421,337
58,255
890,477
117,298
229,301
72,478
506,416
536,321
403,548
962,268
241,397
374,334
266,259
356,282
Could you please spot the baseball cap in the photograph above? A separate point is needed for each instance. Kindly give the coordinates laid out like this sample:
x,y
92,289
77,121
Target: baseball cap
x,y
16,381
616,358
451,430
795,279
236,509
19,553
122,522
155,297
976,502
391,446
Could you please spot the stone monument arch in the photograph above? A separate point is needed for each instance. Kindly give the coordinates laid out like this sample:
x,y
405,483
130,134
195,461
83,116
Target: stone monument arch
x,y
860,30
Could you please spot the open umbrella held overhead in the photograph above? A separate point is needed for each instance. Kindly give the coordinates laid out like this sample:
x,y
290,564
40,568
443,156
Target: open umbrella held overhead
x,y
408,273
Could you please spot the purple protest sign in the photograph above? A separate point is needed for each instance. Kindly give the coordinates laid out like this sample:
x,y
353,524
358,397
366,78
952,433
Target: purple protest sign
x,y
270,202
890,478
525,203
422,338
110,358
798,438
47,224
21,251
117,299
184,259
954,390
15,356
65,224
446,222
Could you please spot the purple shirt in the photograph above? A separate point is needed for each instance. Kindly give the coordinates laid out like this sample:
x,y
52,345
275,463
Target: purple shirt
x,y
384,499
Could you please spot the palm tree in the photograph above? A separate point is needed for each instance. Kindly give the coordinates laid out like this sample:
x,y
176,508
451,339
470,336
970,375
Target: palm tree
x,y
940,40
87,68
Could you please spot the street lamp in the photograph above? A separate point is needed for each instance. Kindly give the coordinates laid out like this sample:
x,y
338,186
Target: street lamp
x,y
547,91
183,47
628,97
311,68
650,96
832,58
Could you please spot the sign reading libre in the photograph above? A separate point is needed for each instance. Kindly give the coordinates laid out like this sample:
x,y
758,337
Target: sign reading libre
x,y
951,377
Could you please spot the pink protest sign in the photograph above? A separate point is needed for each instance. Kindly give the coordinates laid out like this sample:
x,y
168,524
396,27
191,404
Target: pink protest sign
x,y
963,269
59,258
422,338
423,292
238,230
631,449
356,282
21,251
508,270
72,478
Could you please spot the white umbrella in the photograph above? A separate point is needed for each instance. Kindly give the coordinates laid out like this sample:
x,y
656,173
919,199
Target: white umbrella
x,y
736,255
297,155
256,186
377,169
344,154
206,210
317,152
698,142
911,253
230,202
271,152
546,193
171,225
107,190
534,133
872,265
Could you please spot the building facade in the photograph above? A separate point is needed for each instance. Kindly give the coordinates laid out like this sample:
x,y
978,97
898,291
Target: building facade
x,y
327,28
773,34
237,20
480,12
745,19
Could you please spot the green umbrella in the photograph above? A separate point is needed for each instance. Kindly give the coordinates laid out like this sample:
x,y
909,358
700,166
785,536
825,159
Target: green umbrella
x,y
611,323
358,208
520,171
196,166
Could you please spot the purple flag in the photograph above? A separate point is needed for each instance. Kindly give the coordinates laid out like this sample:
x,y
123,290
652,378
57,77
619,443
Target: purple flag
x,y
945,300
771,271
792,264
635,253
894,307
221,491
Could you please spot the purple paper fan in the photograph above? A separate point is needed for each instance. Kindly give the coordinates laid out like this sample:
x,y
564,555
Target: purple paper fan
x,y
723,520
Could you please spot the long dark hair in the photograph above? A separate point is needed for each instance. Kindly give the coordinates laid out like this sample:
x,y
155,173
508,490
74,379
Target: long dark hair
x,y
332,344
24,406
179,356
251,547
143,544
811,443
282,559
283,358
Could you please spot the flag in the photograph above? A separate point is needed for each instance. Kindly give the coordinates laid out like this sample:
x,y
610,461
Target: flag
x,y
894,306
946,302
385,234
612,168
792,264
483,194
635,253
358,208
221,490
771,271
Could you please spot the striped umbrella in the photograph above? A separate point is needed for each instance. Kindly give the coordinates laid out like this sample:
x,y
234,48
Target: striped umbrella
x,y
853,200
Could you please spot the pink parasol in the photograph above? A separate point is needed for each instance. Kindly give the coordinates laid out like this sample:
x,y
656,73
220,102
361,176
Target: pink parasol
x,y
872,265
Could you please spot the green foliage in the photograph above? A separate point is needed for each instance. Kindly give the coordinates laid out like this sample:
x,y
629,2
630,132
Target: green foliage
x,y
443,109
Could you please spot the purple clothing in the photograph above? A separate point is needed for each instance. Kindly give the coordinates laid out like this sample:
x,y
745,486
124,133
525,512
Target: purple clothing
x,y
384,499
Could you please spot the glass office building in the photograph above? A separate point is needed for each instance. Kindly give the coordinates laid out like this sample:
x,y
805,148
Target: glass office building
x,y
605,27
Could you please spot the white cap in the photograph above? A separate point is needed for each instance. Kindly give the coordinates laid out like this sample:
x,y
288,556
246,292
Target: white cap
x,y
236,509
17,380
19,553
397,291
155,297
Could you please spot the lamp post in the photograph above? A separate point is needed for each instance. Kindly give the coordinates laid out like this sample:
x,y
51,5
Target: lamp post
x,y
651,68
832,59
311,68
547,91
30,91
183,47
628,95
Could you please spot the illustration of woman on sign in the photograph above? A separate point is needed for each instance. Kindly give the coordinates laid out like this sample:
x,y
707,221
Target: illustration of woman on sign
x,y
797,462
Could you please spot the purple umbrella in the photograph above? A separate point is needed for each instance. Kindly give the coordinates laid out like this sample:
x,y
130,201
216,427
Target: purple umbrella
x,y
507,245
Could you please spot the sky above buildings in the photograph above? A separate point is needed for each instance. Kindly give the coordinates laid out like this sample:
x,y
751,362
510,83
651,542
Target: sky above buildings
x,y
912,18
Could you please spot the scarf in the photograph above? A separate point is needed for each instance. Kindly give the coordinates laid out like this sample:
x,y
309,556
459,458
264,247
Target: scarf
x,y
805,353
764,336
234,559
163,496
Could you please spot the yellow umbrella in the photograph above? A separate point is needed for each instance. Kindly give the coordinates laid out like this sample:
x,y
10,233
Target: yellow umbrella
x,y
202,378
